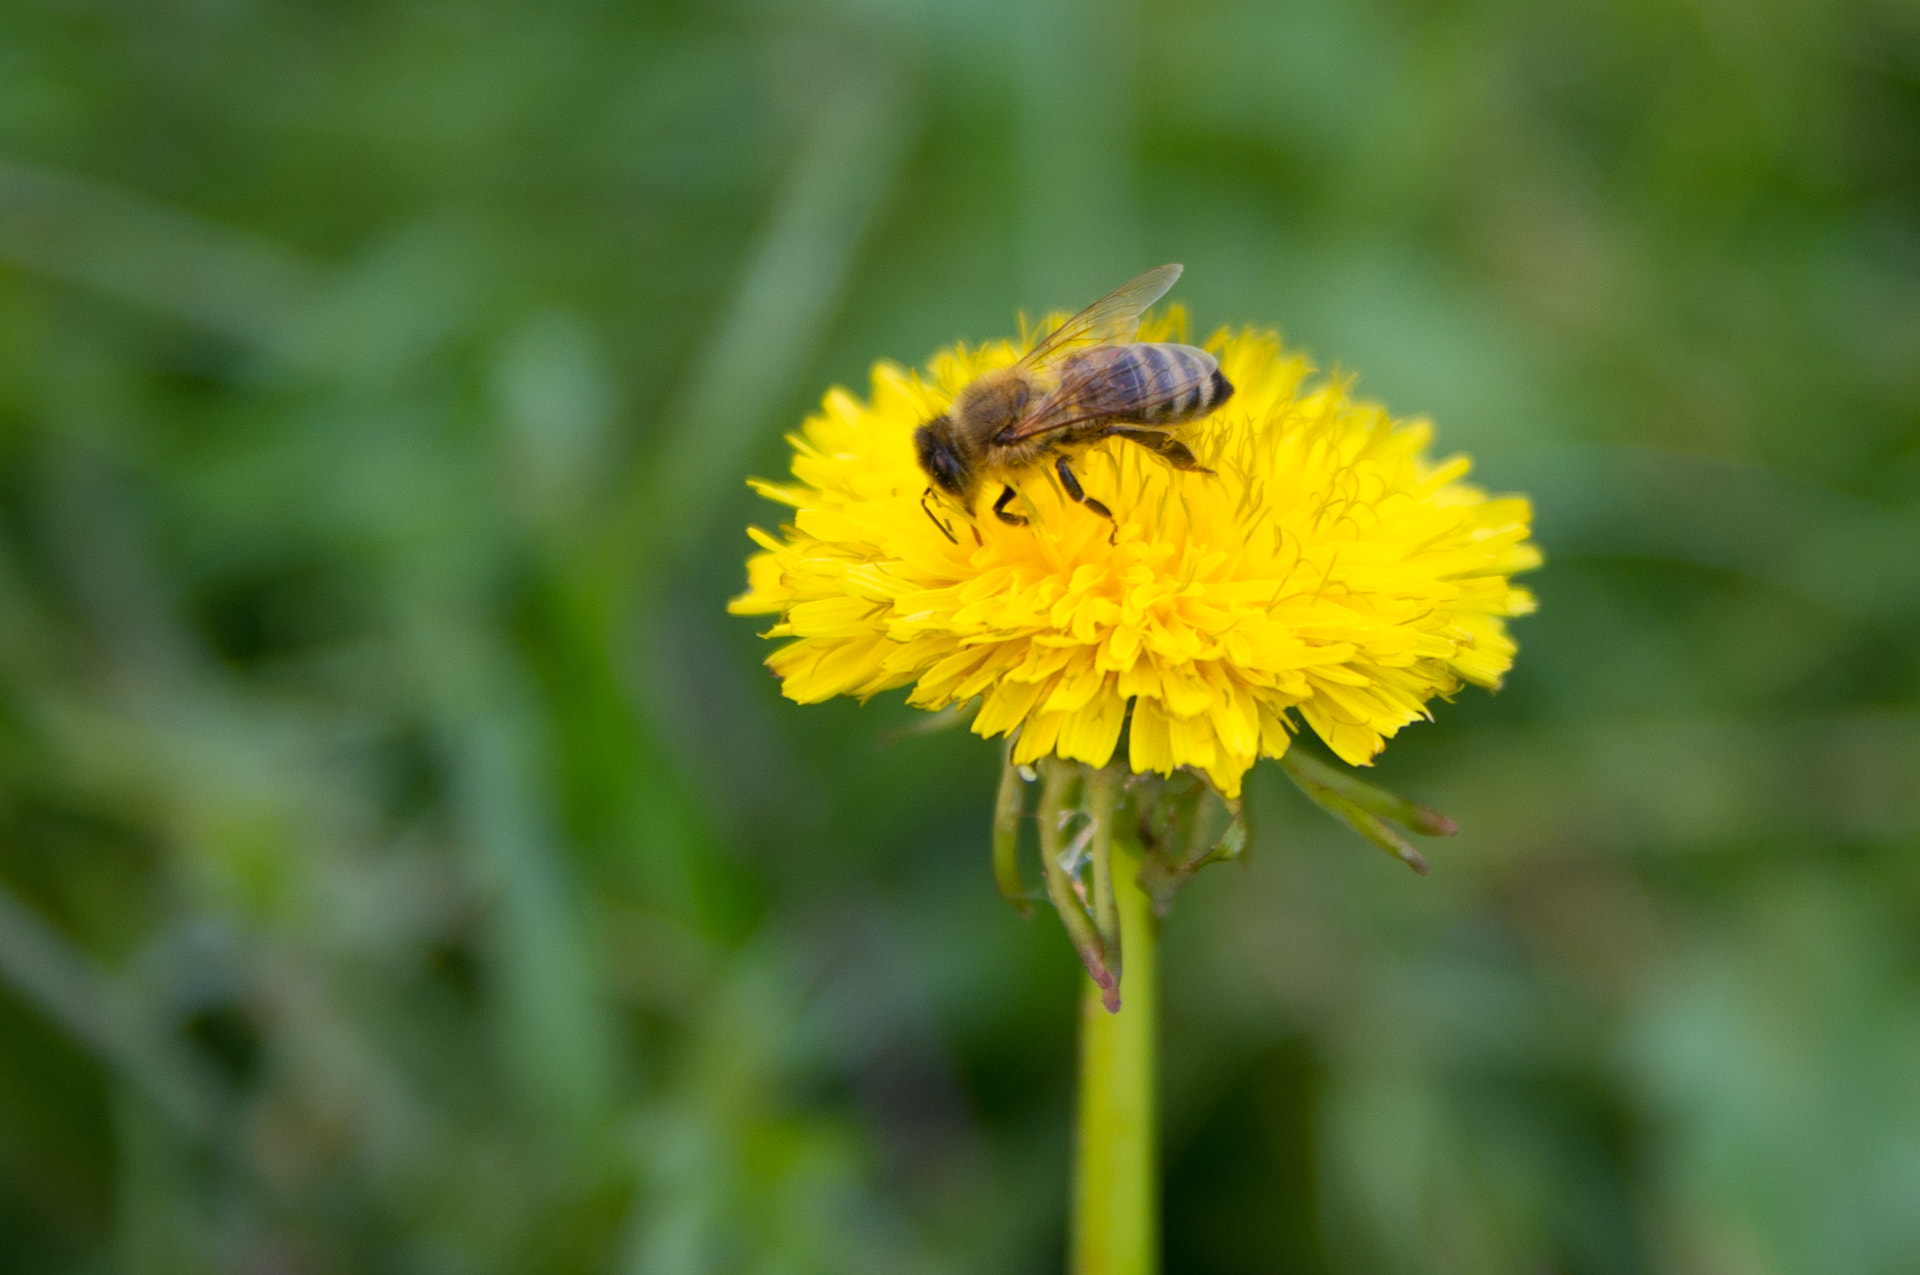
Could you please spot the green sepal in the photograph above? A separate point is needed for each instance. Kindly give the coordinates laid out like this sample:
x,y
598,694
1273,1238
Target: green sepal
x,y
1057,779
1411,815
1177,818
1007,809
1339,795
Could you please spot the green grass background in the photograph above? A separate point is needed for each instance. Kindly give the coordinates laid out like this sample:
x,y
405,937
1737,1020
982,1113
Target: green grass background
x,y
408,866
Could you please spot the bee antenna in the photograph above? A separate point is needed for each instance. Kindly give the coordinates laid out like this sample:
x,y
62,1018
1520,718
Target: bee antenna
x,y
928,510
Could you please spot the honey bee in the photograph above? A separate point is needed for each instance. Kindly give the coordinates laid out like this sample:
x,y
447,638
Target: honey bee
x,y
1084,382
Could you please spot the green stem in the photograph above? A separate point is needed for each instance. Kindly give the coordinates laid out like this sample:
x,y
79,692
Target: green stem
x,y
1116,1207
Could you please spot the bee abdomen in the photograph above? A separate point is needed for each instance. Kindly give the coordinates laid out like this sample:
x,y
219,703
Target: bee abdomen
x,y
1180,383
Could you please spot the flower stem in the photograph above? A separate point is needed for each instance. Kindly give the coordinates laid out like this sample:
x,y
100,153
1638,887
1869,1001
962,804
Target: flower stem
x,y
1116,1209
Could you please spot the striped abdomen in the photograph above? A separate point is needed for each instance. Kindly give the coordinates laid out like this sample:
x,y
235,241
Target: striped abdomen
x,y
1152,383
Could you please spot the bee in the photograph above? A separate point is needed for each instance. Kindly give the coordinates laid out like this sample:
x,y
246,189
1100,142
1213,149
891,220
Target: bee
x,y
1084,382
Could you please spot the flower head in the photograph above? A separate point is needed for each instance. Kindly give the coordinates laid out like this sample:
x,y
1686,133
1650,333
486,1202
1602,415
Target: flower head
x,y
1326,571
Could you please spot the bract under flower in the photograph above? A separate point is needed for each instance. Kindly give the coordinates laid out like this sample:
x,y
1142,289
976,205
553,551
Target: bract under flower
x,y
1326,571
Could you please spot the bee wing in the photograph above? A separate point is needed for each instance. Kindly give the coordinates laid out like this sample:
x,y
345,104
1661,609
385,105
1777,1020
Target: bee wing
x,y
1092,390
1113,319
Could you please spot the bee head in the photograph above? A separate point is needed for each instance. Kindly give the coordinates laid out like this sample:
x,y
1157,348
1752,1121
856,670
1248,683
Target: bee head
x,y
934,444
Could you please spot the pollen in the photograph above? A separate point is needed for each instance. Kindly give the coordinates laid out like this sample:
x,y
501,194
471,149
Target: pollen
x,y
1327,573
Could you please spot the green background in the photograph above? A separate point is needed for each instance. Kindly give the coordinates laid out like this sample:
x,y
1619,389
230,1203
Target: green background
x,y
408,866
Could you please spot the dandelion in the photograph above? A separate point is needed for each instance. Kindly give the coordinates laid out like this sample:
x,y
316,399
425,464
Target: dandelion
x,y
1326,574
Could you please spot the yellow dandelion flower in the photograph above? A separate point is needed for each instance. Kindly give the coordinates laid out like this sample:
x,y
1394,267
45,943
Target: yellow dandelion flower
x,y
1327,571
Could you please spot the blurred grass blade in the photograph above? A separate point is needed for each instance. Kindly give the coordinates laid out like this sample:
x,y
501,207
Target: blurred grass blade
x,y
1377,801
159,1220
141,250
549,995
777,319
50,974
557,404
548,990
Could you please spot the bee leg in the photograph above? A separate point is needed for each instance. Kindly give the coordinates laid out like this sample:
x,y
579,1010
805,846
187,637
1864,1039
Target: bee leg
x,y
1167,448
1000,509
945,530
1175,453
1072,483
